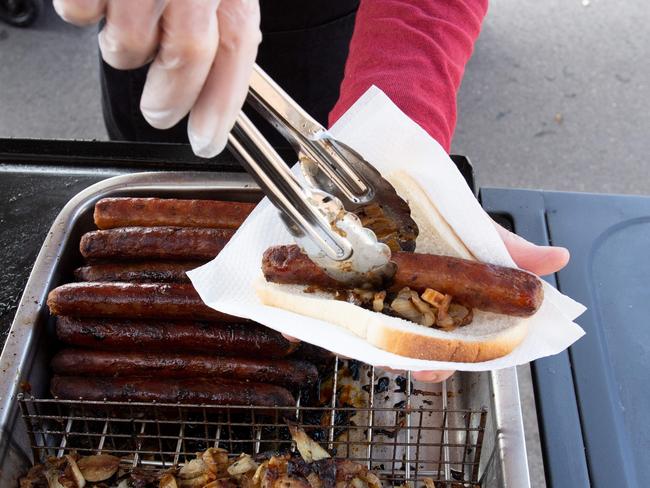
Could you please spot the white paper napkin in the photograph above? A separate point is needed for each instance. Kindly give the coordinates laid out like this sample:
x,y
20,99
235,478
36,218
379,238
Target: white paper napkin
x,y
387,138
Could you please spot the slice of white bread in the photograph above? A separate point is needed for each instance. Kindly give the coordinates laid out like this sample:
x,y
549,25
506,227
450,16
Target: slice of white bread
x,y
488,336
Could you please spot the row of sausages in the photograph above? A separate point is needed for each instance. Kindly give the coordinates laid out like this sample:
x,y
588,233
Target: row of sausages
x,y
135,328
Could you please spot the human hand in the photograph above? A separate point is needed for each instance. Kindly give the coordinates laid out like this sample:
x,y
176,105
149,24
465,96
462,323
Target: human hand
x,y
541,260
201,53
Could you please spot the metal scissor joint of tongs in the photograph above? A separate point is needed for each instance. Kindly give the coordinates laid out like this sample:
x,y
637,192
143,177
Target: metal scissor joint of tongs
x,y
332,208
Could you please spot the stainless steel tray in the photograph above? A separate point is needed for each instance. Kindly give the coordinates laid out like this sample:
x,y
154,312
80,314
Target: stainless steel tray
x,y
28,348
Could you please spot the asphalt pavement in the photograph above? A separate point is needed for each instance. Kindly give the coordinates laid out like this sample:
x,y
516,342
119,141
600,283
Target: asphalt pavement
x,y
556,95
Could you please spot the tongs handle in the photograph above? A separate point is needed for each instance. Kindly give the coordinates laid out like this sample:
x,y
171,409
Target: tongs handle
x,y
308,137
284,190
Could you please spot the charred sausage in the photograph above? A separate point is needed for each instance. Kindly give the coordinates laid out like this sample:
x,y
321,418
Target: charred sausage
x,y
477,285
197,390
140,243
132,300
223,339
174,365
289,265
142,272
156,212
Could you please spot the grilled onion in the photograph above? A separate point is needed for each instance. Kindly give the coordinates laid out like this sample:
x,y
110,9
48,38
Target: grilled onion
x,y
408,305
242,465
404,308
461,314
99,467
378,301
167,481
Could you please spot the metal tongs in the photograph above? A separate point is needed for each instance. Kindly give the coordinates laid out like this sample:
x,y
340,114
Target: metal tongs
x,y
320,210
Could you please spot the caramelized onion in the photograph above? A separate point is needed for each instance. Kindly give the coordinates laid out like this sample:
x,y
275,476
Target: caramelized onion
x,y
460,314
408,305
378,301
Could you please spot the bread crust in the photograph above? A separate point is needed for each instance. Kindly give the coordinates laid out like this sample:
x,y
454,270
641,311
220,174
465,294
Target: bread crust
x,y
452,349
415,341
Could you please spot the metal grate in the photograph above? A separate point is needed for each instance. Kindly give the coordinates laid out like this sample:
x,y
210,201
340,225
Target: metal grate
x,y
413,438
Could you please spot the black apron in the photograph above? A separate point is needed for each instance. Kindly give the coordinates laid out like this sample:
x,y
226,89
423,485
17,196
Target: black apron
x,y
304,48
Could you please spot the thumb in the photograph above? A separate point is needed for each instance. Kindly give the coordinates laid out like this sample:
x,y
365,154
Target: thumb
x,y
541,260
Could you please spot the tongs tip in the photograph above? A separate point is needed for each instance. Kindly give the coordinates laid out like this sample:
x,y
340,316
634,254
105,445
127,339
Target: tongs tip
x,y
368,262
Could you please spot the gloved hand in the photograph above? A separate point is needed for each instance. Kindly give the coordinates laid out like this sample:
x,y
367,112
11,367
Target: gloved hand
x,y
202,54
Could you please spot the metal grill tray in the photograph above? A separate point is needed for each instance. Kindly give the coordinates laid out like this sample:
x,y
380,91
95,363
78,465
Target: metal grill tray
x,y
468,428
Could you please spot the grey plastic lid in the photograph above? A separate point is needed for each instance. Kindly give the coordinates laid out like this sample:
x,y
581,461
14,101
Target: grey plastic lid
x,y
608,369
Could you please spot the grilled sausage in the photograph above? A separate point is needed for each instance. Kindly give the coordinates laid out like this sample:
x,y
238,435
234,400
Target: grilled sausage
x,y
140,243
240,340
289,265
132,300
156,212
141,272
477,285
483,286
174,365
197,391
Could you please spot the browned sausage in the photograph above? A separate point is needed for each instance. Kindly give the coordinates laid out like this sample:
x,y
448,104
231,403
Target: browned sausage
x,y
241,340
155,212
478,285
140,243
197,391
174,365
131,301
483,286
141,272
289,265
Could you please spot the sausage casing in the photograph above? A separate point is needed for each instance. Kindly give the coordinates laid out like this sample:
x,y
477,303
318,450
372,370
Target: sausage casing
x,y
141,243
132,300
178,365
477,285
141,272
222,339
156,212
171,390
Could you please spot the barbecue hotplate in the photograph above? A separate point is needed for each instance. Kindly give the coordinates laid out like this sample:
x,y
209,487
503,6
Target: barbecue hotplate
x,y
591,400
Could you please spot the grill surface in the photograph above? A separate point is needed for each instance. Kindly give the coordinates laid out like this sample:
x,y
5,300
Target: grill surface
x,y
403,431
419,435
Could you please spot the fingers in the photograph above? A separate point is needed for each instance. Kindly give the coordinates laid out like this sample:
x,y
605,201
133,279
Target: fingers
x,y
541,260
80,12
424,376
188,46
130,37
290,338
432,376
205,57
224,92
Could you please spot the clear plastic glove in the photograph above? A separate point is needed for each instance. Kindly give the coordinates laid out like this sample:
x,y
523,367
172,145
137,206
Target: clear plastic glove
x,y
202,54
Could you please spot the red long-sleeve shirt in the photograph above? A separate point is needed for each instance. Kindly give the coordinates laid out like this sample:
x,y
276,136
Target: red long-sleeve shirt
x,y
416,52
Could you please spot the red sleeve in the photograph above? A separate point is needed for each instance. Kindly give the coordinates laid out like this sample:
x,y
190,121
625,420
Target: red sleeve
x,y
415,51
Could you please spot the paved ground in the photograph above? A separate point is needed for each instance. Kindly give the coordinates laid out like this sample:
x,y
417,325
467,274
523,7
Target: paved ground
x,y
556,97
49,81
